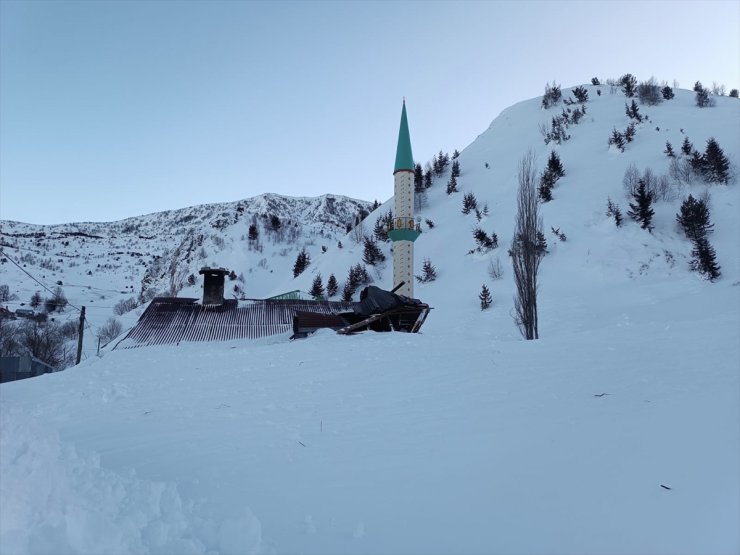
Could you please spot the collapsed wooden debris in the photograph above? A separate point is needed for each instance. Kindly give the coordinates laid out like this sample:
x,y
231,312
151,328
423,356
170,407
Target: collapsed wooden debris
x,y
378,310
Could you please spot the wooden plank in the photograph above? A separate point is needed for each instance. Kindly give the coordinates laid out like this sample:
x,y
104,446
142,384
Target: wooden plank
x,y
362,323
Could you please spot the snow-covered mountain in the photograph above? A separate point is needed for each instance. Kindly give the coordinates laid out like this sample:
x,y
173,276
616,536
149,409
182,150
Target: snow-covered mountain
x,y
101,264
618,431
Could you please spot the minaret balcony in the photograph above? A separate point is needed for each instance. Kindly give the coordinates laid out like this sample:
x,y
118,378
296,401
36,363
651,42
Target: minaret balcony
x,y
404,234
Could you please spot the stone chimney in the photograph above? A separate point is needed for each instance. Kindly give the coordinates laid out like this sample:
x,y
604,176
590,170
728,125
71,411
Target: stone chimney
x,y
213,285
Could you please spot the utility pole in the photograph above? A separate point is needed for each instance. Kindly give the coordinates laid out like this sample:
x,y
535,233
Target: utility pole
x,y
79,335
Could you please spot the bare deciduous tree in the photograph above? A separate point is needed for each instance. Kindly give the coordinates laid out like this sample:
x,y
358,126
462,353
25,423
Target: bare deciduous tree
x,y
526,252
127,305
110,330
42,341
495,271
357,234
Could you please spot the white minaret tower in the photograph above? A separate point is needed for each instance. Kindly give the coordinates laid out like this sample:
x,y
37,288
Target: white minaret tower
x,y
404,230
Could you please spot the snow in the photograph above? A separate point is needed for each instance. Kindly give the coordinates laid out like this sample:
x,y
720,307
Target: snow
x,y
616,432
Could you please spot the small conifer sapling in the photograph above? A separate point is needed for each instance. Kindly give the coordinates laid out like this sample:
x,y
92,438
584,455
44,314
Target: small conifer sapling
x,y
669,150
485,297
613,211
428,272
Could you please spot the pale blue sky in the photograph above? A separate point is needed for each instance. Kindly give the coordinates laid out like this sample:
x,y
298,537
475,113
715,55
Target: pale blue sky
x,y
115,109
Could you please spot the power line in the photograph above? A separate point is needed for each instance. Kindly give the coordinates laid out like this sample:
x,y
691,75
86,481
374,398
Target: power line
x,y
22,303
22,269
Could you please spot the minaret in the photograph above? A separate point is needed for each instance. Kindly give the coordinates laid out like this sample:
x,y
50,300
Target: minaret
x,y
404,230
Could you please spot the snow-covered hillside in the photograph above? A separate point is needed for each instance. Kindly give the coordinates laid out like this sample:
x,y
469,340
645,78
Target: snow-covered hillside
x,y
597,256
616,432
99,265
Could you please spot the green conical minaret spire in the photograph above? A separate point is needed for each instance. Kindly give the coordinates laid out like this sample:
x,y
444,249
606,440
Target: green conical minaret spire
x,y
404,158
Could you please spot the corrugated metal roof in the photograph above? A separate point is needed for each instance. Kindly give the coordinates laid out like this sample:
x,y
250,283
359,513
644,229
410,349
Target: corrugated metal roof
x,y
173,320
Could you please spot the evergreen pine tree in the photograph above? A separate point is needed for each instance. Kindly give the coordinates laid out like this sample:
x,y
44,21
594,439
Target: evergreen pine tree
x,y
428,272
331,286
703,98
733,93
595,81
317,288
704,259
547,181
427,178
667,92
253,232
554,165
716,164
456,168
485,298
485,243
301,263
360,275
577,114
444,161
418,179
440,164
379,230
581,94
455,154
347,292
633,111
452,185
694,218
552,95
541,244
697,163
36,300
340,245
354,280
669,150
629,133
613,211
617,140
686,147
371,253
629,84
641,210
469,203
698,86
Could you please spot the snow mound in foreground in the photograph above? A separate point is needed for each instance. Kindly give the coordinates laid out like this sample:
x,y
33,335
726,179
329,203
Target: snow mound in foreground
x,y
89,509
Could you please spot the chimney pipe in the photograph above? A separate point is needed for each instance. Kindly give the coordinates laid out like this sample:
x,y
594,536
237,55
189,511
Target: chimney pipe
x,y
213,285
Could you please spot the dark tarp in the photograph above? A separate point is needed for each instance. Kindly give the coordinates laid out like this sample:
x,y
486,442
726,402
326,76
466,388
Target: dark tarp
x,y
374,300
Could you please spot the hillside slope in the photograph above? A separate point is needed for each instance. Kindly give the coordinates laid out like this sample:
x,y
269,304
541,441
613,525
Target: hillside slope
x,y
597,256
617,432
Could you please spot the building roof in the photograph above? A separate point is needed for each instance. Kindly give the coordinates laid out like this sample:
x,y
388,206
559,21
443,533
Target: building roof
x,y
404,158
170,320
